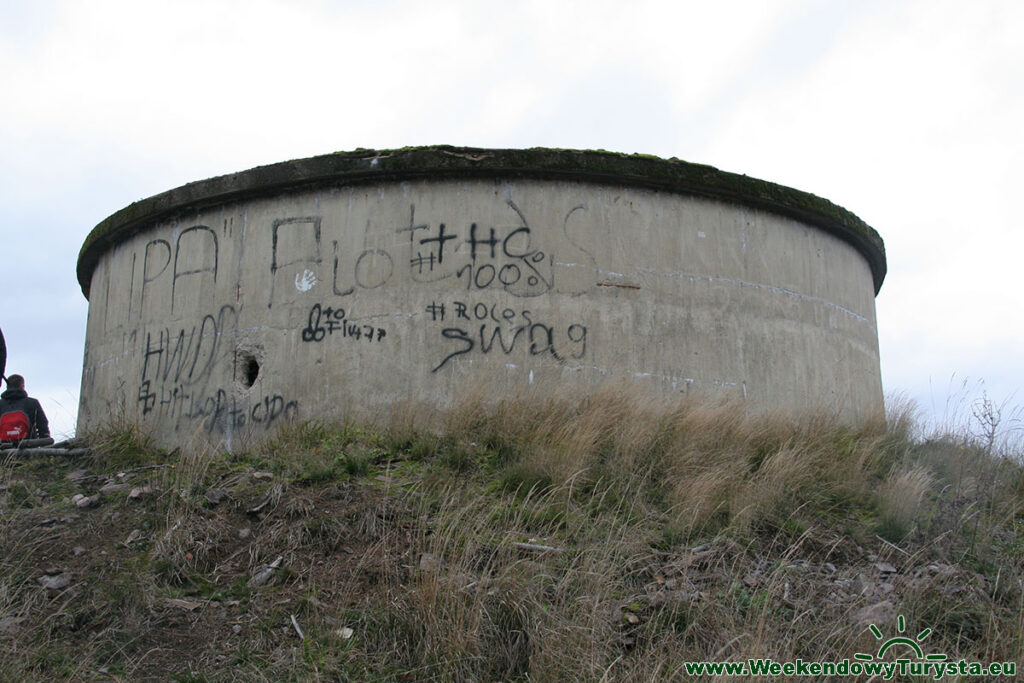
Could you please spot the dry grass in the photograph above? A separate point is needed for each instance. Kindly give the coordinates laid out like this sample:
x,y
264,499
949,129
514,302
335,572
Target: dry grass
x,y
613,538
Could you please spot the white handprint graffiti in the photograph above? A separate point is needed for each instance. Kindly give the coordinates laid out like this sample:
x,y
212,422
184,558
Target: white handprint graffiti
x,y
306,281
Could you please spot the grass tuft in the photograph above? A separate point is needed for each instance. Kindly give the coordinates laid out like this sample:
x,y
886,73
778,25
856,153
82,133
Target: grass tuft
x,y
541,538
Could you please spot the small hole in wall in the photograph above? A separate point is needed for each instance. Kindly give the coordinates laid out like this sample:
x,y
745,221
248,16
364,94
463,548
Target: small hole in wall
x,y
250,370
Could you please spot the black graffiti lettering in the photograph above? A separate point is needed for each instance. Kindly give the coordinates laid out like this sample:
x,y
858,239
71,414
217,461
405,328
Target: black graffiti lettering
x,y
277,260
297,249
420,260
208,406
489,273
325,321
547,337
509,274
212,347
525,232
502,329
578,334
334,281
151,351
441,238
365,276
436,311
272,408
485,263
531,259
491,242
147,276
496,333
236,415
146,397
459,335
332,325
462,271
334,313
314,331
412,227
177,353
365,272
186,359
196,231
217,411
221,412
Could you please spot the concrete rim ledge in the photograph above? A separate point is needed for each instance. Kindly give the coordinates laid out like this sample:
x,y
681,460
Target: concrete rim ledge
x,y
445,162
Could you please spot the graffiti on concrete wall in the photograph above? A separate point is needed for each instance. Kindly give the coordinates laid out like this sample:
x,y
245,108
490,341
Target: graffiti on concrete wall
x,y
179,378
224,412
483,329
198,259
478,257
313,271
325,321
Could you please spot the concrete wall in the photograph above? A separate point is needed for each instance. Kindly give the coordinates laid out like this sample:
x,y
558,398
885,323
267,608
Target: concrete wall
x,y
225,321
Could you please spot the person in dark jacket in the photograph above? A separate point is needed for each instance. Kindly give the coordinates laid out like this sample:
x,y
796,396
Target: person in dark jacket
x,y
15,398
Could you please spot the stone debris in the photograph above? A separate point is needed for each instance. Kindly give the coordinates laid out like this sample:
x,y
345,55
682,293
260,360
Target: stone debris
x,y
77,475
885,568
85,501
272,495
537,547
11,626
878,613
262,476
345,632
264,575
140,491
109,489
135,535
55,582
215,496
78,550
429,562
187,605
244,533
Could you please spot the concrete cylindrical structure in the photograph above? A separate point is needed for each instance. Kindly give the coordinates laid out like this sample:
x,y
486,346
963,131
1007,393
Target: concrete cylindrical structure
x,y
349,282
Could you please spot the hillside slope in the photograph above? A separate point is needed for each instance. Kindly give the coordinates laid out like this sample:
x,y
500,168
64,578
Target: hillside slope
x,y
616,538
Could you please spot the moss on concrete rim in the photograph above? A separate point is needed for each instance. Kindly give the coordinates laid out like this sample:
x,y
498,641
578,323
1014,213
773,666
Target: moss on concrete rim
x,y
446,162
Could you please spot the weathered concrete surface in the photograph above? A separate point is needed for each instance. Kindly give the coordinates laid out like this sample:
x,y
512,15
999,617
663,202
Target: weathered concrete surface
x,y
222,317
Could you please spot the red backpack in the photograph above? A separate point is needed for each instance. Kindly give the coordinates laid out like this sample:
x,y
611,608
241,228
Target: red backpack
x,y
14,426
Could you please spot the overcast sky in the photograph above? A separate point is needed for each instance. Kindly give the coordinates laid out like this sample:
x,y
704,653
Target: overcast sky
x,y
909,114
